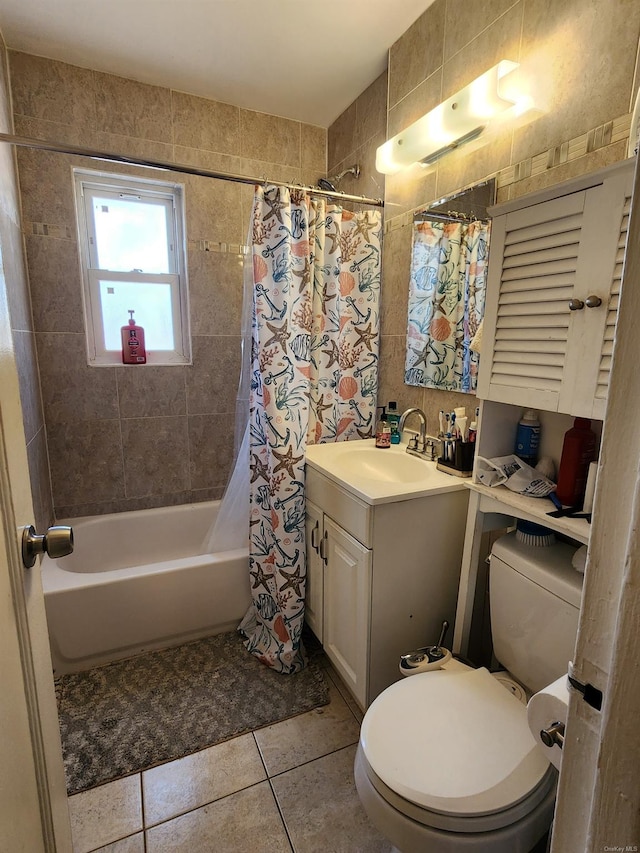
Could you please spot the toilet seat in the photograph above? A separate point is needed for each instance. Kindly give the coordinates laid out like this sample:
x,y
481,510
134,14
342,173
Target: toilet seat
x,y
452,750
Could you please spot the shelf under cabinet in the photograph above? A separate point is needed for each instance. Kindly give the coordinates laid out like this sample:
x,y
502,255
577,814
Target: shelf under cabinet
x,y
502,500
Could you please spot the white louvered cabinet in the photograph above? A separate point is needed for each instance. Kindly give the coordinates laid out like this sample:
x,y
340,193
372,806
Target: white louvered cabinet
x,y
555,268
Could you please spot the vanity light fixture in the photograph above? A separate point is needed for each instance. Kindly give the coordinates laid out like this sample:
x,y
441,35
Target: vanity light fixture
x,y
454,122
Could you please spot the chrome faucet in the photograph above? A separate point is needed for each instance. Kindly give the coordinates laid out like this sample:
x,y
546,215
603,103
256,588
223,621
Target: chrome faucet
x,y
423,426
421,445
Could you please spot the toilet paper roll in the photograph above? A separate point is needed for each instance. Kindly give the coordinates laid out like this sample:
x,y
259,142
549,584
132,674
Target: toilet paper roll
x,y
545,708
579,559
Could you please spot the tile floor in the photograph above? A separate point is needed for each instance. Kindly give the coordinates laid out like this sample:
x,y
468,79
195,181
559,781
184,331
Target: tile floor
x,y
285,788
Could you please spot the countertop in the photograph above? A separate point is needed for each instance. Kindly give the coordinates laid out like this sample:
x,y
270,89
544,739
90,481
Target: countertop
x,y
377,475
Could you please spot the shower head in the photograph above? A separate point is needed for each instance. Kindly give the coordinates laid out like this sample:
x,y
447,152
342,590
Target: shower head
x,y
330,183
324,184
352,170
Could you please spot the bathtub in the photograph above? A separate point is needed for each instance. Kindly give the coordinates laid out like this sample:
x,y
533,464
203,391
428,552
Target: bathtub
x,y
136,582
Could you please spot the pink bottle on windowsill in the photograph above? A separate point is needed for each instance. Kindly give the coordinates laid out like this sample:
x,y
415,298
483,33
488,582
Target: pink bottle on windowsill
x,y
133,351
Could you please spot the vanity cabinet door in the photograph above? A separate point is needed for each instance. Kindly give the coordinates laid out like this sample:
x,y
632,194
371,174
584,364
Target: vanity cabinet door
x,y
347,607
315,570
553,284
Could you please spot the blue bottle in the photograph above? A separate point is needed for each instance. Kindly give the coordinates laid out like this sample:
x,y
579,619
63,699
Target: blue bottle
x,y
393,419
528,438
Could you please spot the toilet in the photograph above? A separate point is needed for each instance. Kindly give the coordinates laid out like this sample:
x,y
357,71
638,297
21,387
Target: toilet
x,y
446,761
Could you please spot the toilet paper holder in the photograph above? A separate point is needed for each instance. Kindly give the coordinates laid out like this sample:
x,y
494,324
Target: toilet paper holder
x,y
554,735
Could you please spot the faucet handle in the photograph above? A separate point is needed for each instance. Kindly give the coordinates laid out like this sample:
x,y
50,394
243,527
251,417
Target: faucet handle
x,y
431,448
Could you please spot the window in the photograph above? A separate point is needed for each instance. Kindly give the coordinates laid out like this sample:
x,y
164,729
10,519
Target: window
x,y
132,255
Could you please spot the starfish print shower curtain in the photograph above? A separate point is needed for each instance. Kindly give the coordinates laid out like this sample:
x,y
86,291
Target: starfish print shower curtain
x,y
314,360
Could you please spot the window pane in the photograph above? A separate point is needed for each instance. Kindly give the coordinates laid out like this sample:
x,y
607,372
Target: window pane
x,y
152,306
131,235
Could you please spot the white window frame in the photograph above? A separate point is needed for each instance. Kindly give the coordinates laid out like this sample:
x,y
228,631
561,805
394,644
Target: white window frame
x,y
171,196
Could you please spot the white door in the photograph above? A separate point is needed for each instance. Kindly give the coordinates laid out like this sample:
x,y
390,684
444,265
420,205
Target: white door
x,y
33,803
347,607
599,788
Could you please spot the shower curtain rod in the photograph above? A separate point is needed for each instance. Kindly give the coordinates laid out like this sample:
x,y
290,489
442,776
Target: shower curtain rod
x,y
61,148
449,216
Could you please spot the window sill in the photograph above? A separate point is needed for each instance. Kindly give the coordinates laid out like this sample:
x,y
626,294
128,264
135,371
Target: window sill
x,y
151,362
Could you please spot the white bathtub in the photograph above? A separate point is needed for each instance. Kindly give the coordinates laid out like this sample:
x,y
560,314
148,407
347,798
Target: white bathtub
x,y
136,581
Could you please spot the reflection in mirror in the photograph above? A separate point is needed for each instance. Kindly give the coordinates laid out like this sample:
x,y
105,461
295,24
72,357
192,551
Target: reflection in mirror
x,y
447,290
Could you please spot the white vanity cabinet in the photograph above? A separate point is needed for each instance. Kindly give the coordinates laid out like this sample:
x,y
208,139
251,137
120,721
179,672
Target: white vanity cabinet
x,y
555,268
381,578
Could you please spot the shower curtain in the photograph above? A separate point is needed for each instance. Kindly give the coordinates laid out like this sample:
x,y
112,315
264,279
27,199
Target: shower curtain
x,y
446,303
314,360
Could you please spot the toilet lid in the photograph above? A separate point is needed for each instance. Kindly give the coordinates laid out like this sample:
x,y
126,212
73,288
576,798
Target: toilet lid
x,y
454,742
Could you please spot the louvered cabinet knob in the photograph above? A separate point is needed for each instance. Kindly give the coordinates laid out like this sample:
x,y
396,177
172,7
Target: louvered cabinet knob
x,y
592,301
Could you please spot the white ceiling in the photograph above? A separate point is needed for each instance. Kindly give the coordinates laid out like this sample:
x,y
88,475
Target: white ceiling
x,y
294,58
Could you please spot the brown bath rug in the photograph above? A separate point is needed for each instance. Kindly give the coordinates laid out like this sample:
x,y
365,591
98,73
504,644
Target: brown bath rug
x,y
133,714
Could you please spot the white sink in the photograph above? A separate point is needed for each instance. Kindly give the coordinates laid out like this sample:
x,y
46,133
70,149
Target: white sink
x,y
375,464
379,475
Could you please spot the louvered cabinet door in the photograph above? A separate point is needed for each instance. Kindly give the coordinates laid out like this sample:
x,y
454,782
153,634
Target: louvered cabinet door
x,y
545,260
532,275
611,308
598,277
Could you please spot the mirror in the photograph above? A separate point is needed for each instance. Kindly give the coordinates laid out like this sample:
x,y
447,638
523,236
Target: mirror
x,y
450,249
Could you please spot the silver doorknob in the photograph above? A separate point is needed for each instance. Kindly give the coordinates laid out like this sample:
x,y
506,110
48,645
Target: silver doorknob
x,y
56,542
576,305
593,301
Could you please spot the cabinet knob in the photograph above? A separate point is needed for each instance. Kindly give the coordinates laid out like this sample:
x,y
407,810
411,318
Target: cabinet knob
x,y
576,305
593,301
323,548
314,541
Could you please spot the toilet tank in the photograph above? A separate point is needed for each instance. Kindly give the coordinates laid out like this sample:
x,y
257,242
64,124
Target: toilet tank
x,y
534,597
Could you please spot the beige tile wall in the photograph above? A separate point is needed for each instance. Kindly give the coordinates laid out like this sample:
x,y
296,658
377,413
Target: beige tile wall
x,y
127,438
580,58
110,430
13,267
354,137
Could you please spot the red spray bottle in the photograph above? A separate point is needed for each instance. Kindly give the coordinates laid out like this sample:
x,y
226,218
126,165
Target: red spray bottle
x,y
578,450
133,351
